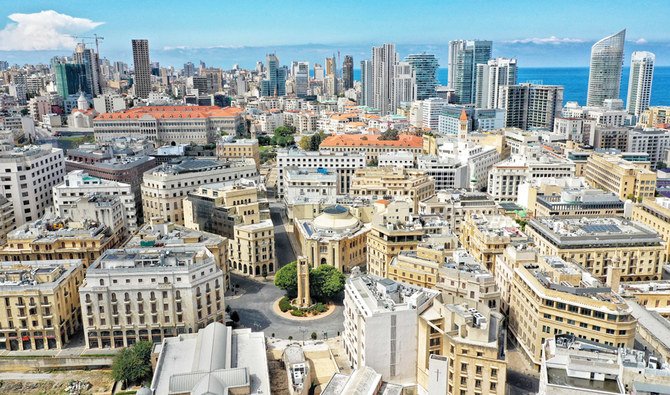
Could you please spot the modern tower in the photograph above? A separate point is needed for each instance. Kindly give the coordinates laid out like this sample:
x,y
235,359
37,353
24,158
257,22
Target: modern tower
x,y
403,85
88,58
490,77
384,59
424,71
301,77
639,83
464,56
275,82
348,72
330,83
367,86
142,67
70,79
605,69
529,106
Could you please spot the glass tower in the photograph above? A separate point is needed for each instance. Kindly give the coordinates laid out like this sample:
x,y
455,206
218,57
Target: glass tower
x,y
605,70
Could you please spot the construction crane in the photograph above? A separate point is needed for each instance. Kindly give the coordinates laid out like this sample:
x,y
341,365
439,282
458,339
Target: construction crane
x,y
95,37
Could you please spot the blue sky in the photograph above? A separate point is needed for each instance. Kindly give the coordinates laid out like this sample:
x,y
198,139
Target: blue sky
x,y
538,33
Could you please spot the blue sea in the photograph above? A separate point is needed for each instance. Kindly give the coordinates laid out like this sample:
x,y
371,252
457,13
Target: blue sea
x,y
575,81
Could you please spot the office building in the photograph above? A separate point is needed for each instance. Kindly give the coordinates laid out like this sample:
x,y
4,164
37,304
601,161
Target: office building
x,y
70,79
610,246
464,56
238,149
392,183
424,71
274,83
216,359
79,184
639,82
486,236
457,205
655,213
138,294
169,124
142,68
490,77
431,110
88,58
605,69
478,119
626,179
348,72
29,173
446,173
41,300
531,106
367,84
315,185
164,188
461,349
372,144
301,78
584,202
403,85
554,296
380,314
651,141
384,60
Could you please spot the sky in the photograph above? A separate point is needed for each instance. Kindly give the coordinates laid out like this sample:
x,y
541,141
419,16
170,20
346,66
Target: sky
x,y
222,33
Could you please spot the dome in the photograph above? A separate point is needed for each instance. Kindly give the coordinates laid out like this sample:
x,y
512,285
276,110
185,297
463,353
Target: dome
x,y
336,218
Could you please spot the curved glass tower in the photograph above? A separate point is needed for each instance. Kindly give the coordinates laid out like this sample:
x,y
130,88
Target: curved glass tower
x,y
605,70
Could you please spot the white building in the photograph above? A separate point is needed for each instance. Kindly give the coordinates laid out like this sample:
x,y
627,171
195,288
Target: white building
x,y
404,159
431,109
610,113
447,173
341,163
78,183
639,82
319,185
403,84
109,103
28,174
490,77
381,325
651,141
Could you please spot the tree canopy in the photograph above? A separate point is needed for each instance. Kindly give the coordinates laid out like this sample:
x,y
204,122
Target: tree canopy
x,y
325,282
286,278
133,364
283,136
390,134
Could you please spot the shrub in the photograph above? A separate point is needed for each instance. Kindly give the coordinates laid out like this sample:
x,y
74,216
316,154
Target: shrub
x,y
320,308
314,336
285,304
133,364
297,313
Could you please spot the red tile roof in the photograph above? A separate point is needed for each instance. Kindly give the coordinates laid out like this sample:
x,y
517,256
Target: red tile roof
x,y
371,140
160,112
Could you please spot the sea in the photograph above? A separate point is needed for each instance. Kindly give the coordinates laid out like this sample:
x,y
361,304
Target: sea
x,y
575,81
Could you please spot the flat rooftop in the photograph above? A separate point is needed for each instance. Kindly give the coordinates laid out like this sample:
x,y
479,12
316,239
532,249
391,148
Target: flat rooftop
x,y
380,295
192,165
151,258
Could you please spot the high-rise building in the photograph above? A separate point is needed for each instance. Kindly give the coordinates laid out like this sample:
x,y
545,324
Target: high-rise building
x,y
88,58
330,81
605,69
70,79
639,83
403,84
189,69
301,77
464,56
490,77
367,86
275,82
318,72
348,72
384,59
424,69
531,106
142,66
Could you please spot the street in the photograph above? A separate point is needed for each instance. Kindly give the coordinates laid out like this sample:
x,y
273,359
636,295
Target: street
x,y
283,247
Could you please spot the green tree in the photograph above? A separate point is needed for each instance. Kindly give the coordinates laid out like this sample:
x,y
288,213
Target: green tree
x,y
286,278
283,136
390,134
133,365
314,336
264,140
326,282
315,141
304,143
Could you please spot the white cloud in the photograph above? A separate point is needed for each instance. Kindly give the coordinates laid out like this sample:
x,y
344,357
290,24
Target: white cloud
x,y
45,30
547,40
640,41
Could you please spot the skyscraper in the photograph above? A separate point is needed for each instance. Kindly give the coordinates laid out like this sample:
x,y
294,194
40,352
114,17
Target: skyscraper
x,y
301,76
403,85
490,77
531,106
424,69
605,69
88,58
367,86
70,79
275,82
142,66
384,59
348,72
464,56
639,84
330,83
189,69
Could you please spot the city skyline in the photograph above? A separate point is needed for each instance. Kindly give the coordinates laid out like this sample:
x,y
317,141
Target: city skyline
x,y
243,41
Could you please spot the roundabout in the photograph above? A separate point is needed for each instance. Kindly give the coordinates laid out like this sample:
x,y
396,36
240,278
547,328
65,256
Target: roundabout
x,y
287,314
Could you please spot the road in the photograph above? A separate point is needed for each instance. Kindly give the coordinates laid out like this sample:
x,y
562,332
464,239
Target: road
x,y
254,301
283,248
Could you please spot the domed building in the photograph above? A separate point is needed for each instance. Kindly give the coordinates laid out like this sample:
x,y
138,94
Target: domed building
x,y
335,237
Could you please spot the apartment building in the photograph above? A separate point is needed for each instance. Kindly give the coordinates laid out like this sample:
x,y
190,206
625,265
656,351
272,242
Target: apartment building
x,y
655,213
584,202
652,141
380,314
421,267
137,294
41,303
601,245
553,297
461,350
78,184
626,179
456,205
28,174
392,183
7,218
316,185
486,236
230,148
165,187
169,124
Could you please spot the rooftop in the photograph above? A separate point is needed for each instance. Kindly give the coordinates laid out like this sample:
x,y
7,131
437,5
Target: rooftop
x,y
152,259
49,228
371,140
35,274
376,295
192,165
171,112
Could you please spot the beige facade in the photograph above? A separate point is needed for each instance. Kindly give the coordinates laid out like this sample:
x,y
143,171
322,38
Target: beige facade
x,y
598,244
553,297
41,303
454,206
421,267
458,350
655,213
240,148
165,187
392,183
252,250
626,179
486,236
136,294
